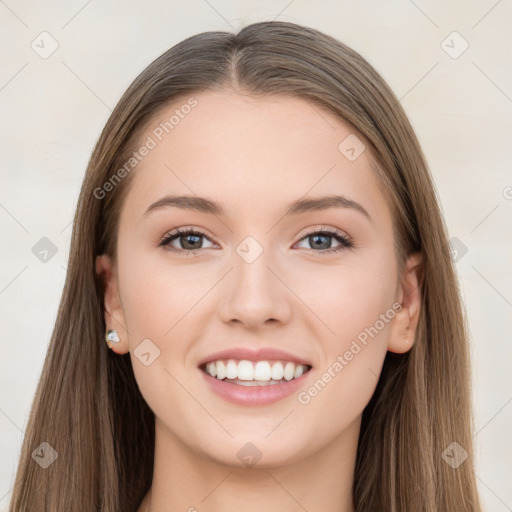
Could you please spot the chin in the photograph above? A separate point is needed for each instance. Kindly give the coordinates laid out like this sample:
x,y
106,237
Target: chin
x,y
255,452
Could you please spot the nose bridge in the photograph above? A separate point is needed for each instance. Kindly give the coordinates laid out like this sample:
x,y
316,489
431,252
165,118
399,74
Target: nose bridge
x,y
255,294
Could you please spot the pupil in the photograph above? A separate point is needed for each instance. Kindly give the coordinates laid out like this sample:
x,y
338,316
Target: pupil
x,y
326,245
188,237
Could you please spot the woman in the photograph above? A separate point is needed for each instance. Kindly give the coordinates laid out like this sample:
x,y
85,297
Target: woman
x,y
260,310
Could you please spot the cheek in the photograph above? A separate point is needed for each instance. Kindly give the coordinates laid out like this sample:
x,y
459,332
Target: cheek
x,y
346,378
351,313
345,298
157,294
162,302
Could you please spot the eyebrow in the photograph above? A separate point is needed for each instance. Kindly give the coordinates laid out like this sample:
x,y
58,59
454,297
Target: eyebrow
x,y
303,205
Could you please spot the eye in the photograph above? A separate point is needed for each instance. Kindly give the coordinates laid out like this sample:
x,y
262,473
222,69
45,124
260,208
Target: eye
x,y
188,240
320,240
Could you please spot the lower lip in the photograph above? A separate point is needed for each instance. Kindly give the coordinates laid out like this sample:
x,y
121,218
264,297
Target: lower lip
x,y
254,395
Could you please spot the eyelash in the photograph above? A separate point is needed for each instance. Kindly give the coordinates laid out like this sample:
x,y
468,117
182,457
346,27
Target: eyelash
x,y
345,242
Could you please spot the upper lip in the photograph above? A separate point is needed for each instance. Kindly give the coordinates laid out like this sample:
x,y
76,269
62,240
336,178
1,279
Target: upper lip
x,y
260,354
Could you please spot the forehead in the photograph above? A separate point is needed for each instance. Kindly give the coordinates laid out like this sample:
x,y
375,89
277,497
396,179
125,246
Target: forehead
x,y
251,153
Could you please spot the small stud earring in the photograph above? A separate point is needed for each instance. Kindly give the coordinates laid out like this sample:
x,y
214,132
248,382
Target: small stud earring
x,y
112,336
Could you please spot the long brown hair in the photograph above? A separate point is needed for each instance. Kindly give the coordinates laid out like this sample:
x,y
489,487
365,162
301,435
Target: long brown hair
x,y
88,407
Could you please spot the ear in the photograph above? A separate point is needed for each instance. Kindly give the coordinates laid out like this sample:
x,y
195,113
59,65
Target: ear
x,y
405,322
114,315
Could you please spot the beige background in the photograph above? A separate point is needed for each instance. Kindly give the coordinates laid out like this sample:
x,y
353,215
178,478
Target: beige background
x,y
52,111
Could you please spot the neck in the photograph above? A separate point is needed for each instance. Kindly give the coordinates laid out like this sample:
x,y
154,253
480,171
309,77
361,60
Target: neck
x,y
188,481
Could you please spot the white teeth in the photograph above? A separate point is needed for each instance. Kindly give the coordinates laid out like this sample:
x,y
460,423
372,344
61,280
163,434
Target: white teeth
x,y
277,371
221,370
245,370
289,371
231,370
255,382
260,373
211,368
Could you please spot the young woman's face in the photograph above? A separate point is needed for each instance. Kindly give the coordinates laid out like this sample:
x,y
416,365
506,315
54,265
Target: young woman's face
x,y
257,276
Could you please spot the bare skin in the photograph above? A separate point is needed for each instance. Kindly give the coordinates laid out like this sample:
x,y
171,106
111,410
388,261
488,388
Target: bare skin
x,y
254,156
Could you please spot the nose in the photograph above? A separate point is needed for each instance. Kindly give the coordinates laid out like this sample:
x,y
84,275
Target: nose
x,y
255,295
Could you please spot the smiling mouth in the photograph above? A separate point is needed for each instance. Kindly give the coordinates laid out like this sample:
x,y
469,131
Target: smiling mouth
x,y
259,373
